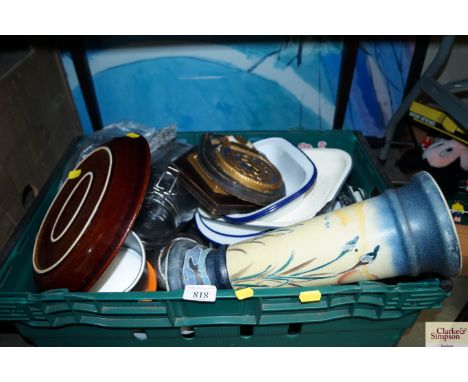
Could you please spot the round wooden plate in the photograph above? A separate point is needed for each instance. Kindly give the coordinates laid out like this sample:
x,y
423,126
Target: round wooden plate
x,y
91,215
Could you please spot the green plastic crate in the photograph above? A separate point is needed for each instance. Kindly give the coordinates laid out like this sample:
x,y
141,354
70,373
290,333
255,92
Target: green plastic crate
x,y
364,314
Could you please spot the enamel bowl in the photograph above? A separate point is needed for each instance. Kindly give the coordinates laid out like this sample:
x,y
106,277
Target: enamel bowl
x,y
125,270
297,170
334,166
222,232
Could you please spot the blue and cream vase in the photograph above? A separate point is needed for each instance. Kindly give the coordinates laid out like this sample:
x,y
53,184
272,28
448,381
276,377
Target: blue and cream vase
x,y
403,232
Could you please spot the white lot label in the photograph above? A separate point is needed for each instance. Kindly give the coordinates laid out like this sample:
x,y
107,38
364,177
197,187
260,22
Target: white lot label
x,y
203,293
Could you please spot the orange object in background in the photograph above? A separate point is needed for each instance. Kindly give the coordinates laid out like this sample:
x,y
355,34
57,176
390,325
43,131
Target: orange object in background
x,y
462,231
152,284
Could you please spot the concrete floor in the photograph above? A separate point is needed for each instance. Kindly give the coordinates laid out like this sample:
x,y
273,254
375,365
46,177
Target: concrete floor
x,y
9,336
414,336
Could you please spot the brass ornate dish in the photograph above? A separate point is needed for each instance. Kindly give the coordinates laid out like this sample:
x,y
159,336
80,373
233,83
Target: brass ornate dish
x,y
208,193
248,167
240,170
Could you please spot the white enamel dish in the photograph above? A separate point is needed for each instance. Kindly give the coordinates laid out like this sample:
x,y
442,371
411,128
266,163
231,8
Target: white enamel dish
x,y
297,170
334,166
221,232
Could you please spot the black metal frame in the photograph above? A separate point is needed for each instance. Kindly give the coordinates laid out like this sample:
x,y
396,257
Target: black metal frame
x,y
347,67
85,79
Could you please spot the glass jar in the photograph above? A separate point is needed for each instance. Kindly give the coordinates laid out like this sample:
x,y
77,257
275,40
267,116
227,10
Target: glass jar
x,y
167,205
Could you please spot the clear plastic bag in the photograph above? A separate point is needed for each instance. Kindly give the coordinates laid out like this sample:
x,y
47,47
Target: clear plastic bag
x,y
156,139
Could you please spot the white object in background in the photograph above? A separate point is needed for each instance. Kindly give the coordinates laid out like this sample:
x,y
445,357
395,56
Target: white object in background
x,y
125,269
358,196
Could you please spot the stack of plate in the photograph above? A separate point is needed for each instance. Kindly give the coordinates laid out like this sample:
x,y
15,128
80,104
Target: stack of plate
x,y
312,177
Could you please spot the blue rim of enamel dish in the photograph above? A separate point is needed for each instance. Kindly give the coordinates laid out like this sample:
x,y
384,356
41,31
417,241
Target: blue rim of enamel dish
x,y
198,217
275,206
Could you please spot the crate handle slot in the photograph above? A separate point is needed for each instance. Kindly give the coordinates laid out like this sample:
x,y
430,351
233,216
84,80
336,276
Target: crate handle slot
x,y
246,330
140,334
187,332
294,328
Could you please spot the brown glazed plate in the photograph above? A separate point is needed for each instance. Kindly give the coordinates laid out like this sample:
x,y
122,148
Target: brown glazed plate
x,y
91,215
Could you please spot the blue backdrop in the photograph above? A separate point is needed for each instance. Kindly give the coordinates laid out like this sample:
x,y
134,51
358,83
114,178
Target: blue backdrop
x,y
379,81
244,84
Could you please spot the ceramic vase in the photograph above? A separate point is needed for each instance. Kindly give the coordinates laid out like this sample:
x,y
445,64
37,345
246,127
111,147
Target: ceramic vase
x,y
405,231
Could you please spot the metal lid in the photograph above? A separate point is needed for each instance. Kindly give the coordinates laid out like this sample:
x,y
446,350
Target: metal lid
x,y
240,169
92,214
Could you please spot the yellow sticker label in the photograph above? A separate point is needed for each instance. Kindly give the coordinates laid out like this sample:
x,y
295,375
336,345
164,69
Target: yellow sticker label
x,y
242,294
133,135
310,296
457,207
74,174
